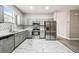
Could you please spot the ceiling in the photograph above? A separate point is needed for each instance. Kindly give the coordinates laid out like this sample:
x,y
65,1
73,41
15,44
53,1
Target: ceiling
x,y
45,8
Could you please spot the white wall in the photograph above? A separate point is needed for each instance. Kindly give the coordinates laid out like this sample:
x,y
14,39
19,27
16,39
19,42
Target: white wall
x,y
29,18
63,24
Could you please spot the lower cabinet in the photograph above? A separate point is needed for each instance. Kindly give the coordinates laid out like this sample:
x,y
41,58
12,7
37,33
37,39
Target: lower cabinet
x,y
20,37
17,39
29,34
7,44
42,34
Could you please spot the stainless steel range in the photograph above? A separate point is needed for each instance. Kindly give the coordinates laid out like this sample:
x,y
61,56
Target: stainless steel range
x,y
36,29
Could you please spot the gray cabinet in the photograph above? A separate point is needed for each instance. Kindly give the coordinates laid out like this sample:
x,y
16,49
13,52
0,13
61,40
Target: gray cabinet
x,y
29,34
42,34
26,34
1,14
7,44
20,37
19,20
23,35
17,39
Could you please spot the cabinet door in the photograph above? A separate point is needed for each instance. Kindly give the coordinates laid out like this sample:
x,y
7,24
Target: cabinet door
x,y
1,45
19,20
5,46
74,21
20,37
42,34
17,40
11,43
8,44
24,35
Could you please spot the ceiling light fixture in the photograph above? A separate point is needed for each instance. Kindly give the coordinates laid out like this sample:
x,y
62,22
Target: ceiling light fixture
x,y
31,7
46,7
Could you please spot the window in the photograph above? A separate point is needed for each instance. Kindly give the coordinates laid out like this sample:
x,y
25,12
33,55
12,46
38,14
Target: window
x,y
8,14
8,11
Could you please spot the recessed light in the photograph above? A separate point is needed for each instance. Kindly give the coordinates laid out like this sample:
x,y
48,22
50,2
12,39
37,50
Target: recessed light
x,y
46,7
31,7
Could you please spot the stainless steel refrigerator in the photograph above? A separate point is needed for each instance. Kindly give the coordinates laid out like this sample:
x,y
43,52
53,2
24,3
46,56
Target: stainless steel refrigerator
x,y
50,30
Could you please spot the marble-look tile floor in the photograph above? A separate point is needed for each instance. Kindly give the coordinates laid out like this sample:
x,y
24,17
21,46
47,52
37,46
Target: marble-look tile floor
x,y
41,46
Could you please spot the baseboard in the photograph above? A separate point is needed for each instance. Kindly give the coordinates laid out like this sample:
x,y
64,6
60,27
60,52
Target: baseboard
x,y
74,39
60,36
67,38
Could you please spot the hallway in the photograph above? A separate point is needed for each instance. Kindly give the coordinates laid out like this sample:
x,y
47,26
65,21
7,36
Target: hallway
x,y
41,46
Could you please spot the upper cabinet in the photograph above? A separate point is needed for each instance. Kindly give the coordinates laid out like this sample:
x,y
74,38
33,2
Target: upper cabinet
x,y
1,14
19,20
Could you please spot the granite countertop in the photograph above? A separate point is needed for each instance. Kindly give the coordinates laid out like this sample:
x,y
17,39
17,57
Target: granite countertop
x,y
5,33
31,28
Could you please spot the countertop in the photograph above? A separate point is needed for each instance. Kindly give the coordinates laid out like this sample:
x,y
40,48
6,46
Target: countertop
x,y
5,33
31,28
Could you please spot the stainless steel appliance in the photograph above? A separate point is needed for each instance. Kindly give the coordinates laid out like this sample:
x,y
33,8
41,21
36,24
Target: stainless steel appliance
x,y
50,30
36,30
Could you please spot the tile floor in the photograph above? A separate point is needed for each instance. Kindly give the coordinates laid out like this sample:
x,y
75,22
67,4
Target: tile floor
x,y
41,46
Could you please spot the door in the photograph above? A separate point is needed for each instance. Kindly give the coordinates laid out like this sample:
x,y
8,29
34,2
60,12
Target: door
x,y
74,21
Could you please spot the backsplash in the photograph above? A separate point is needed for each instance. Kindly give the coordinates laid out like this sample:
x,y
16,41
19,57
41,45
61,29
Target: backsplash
x,y
5,27
17,27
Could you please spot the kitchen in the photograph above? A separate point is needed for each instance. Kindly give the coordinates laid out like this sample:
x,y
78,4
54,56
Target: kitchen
x,y
37,28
